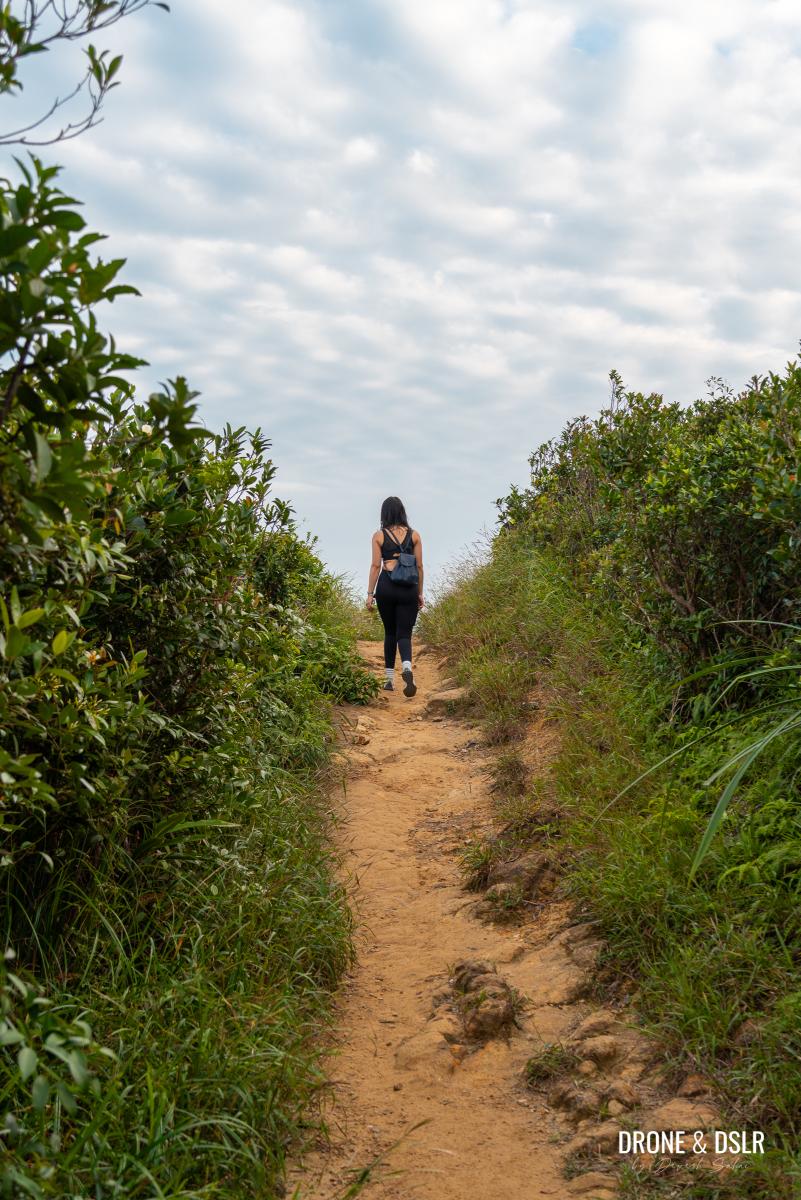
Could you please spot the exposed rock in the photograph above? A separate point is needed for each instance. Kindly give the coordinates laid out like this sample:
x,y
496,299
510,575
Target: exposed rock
x,y
594,1139
530,874
439,701
560,1094
496,894
622,1093
592,1184
587,1068
489,1018
483,998
603,1138
747,1033
447,1025
490,984
595,1023
694,1085
429,1047
680,1114
585,954
575,934
555,980
615,1108
601,1049
580,1103
467,970
358,758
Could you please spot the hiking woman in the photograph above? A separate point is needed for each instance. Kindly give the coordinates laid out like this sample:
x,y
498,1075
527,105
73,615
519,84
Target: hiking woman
x,y
398,603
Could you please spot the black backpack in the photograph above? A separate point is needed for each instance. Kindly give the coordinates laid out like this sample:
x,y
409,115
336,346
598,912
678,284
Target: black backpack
x,y
405,572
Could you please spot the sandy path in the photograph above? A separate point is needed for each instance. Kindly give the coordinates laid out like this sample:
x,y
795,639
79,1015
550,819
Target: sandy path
x,y
415,791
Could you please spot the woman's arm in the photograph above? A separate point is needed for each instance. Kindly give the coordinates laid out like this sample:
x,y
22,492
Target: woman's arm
x,y
375,570
418,554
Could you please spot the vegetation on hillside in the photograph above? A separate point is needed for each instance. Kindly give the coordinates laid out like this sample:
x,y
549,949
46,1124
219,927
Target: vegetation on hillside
x,y
644,590
169,652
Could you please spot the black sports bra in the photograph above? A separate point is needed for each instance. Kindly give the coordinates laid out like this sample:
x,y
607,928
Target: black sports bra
x,y
391,548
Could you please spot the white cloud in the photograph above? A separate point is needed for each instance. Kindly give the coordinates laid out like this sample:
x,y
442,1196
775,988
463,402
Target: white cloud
x,y
421,163
360,150
411,239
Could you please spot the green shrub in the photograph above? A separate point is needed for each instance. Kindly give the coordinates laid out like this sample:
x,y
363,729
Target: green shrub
x,y
170,652
646,587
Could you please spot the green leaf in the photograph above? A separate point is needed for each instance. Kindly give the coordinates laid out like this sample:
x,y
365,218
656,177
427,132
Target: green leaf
x,y
16,643
71,221
14,237
30,617
62,640
67,1099
179,516
44,456
78,1068
40,1092
27,1061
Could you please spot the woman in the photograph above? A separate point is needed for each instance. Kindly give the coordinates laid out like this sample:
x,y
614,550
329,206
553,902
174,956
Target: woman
x,y
398,604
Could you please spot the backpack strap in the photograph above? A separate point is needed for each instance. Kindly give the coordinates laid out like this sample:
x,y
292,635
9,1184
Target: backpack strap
x,y
400,545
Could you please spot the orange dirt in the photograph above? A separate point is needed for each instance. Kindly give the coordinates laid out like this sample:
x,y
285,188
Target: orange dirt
x,y
415,791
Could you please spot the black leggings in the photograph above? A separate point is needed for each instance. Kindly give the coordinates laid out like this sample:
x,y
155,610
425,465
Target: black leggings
x,y
398,608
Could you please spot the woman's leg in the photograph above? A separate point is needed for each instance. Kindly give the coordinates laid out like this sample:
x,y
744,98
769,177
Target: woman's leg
x,y
406,610
387,610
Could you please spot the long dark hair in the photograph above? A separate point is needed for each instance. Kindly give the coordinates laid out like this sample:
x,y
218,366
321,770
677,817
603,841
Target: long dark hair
x,y
393,513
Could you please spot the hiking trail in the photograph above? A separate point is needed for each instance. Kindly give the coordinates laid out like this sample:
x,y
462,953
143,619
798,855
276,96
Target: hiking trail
x,y
428,1097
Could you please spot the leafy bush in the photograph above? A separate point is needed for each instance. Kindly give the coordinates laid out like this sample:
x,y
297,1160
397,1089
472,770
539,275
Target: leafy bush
x,y
691,518
645,589
170,650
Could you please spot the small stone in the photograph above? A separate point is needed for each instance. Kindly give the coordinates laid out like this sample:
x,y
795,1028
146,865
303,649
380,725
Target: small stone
x,y
498,891
587,1068
529,874
603,1138
615,1108
601,1049
577,933
490,984
623,1093
595,1023
489,1018
578,1102
694,1085
467,970
747,1033
396,1087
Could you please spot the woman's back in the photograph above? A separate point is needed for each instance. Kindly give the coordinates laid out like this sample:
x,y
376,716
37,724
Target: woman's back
x,y
398,603
393,539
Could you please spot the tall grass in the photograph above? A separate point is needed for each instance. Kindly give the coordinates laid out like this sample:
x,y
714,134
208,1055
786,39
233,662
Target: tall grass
x,y
713,959
203,976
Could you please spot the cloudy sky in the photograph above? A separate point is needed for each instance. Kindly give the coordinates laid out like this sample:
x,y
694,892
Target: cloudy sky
x,y
410,238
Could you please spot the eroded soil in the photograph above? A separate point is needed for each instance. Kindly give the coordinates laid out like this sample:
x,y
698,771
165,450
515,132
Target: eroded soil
x,y
444,1008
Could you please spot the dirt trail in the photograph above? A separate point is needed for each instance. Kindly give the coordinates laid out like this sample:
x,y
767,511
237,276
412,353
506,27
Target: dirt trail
x,y
415,791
